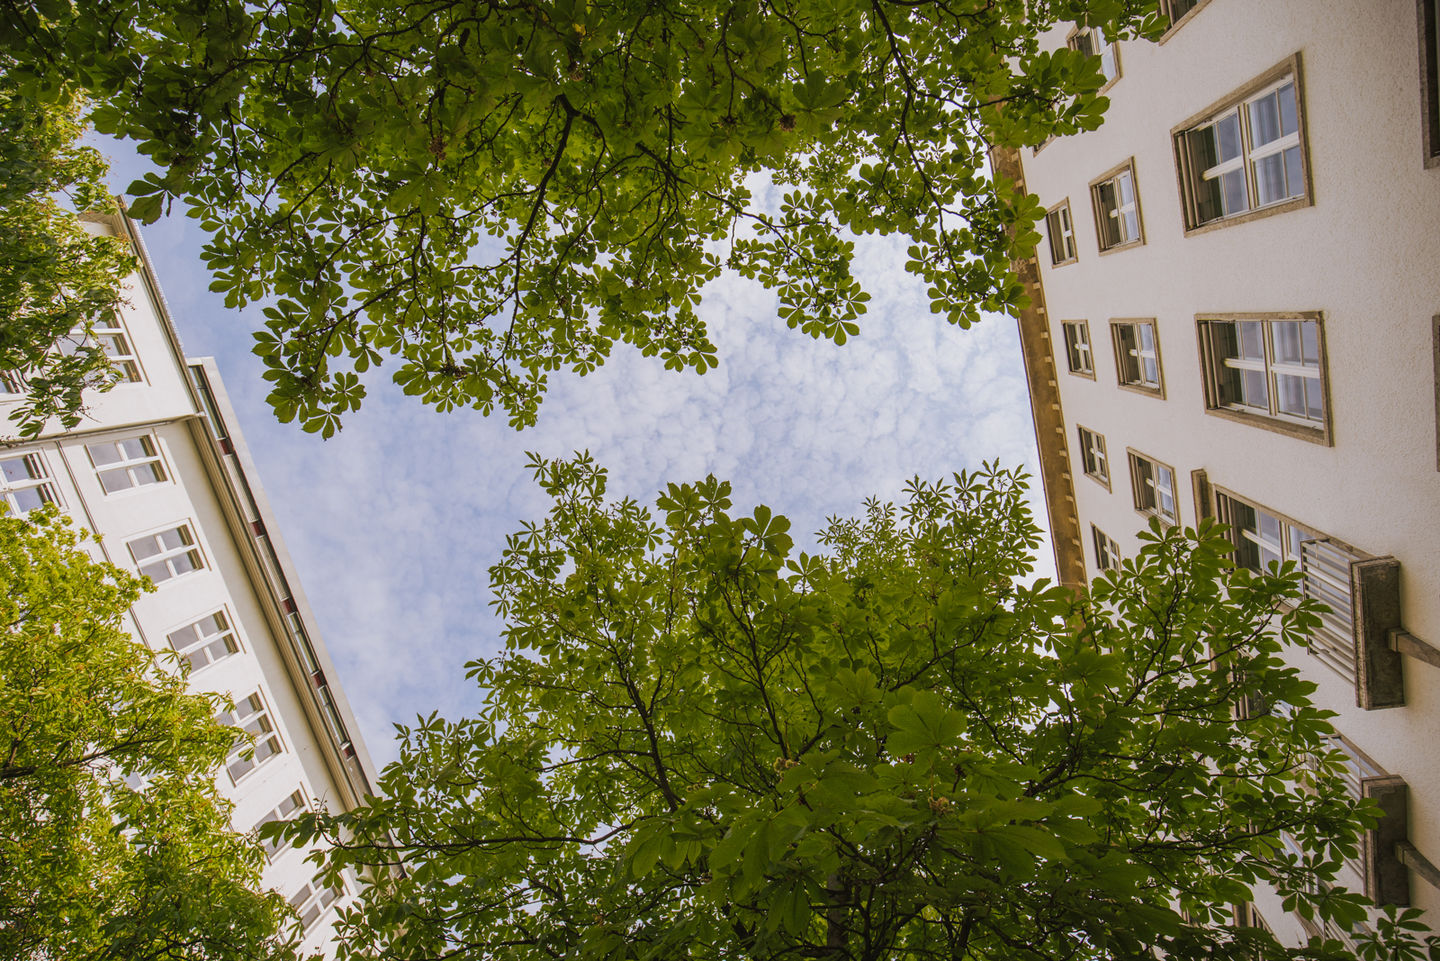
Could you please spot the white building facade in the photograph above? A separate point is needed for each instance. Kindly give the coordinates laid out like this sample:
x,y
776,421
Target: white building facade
x,y
161,473
1237,315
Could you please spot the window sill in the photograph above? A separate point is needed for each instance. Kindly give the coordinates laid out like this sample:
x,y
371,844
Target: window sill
x,y
1156,392
1286,206
1313,435
1129,245
1103,482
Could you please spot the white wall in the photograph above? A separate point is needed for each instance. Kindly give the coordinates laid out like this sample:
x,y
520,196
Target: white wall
x,y
1364,254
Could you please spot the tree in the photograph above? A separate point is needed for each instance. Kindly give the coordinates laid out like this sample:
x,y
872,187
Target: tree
x,y
57,282
113,841
486,193
701,743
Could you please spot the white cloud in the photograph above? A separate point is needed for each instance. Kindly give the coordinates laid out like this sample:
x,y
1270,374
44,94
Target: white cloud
x,y
394,523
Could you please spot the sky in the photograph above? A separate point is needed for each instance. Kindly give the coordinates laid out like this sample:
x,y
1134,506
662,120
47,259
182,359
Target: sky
x,y
394,522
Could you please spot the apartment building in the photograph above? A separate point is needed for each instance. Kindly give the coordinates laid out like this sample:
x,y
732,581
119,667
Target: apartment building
x,y
160,471
1235,316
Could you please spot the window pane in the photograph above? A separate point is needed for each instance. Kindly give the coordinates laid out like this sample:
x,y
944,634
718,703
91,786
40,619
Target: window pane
x,y
1310,339
1264,120
18,469
1226,134
143,548
1254,392
1285,339
115,480
1294,179
1314,399
102,454
1270,179
1231,191
1252,340
1126,188
1289,121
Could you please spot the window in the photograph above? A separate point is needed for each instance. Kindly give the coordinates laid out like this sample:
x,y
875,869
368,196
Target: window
x,y
1153,485
123,464
1117,209
1430,79
1260,538
1137,355
1062,234
1246,154
252,718
284,811
1091,41
205,641
1077,347
311,901
12,382
1107,552
1177,10
1092,456
167,554
1271,369
113,339
24,483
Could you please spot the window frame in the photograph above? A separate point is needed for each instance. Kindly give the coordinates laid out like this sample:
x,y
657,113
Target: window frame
x,y
1186,175
1083,327
164,556
128,365
1110,177
300,900
1316,432
1122,353
1139,483
205,642
1073,39
1184,18
155,458
1090,454
40,480
1063,207
274,849
1105,548
245,752
1427,14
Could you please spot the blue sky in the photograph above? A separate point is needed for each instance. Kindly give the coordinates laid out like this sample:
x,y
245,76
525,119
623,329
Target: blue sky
x,y
394,522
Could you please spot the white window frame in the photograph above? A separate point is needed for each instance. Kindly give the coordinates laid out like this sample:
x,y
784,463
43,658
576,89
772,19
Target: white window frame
x,y
1215,362
314,899
1153,483
1237,107
1107,552
38,481
296,802
133,468
1076,334
1060,229
1093,459
194,639
1132,354
253,716
125,361
165,558
1105,214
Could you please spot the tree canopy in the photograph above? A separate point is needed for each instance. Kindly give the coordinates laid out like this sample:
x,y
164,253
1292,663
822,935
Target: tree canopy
x,y
58,282
483,193
113,840
702,743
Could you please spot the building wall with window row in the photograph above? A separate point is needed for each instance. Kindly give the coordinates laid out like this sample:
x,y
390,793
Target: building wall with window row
x,y
1254,331
161,472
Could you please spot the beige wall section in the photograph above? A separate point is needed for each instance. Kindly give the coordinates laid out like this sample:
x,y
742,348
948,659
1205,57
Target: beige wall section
x,y
214,489
1363,254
